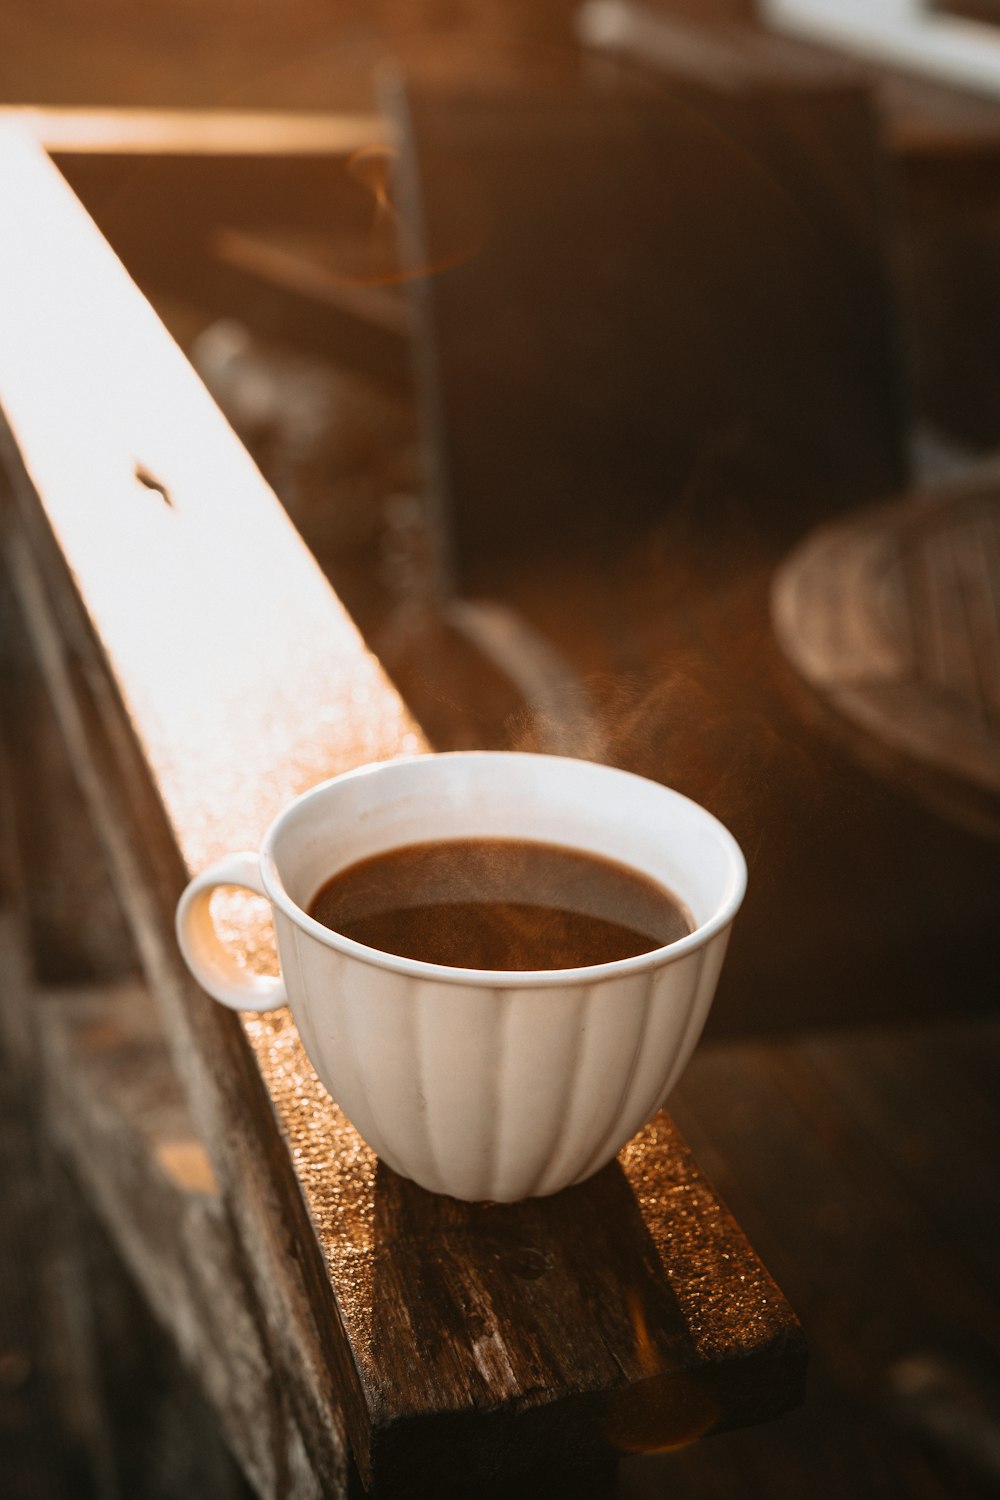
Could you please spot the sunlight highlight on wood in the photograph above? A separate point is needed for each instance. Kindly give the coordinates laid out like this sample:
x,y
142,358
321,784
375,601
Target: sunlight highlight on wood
x,y
76,130
214,589
203,672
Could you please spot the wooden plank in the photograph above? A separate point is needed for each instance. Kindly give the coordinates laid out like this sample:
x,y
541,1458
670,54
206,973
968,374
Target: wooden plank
x,y
233,1113
149,1429
347,273
266,216
58,880
77,130
117,1116
324,293
228,1102
204,673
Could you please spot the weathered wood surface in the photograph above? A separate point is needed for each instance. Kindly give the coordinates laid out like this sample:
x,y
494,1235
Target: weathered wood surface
x,y
118,1118
203,672
143,1424
220,1079
893,619
55,880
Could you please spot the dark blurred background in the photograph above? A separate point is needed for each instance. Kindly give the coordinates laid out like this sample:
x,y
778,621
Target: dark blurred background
x,y
588,376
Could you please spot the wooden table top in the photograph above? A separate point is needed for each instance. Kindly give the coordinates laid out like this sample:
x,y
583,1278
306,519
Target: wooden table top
x,y
892,617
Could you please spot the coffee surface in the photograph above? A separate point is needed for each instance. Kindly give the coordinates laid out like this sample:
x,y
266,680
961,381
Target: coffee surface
x,y
500,904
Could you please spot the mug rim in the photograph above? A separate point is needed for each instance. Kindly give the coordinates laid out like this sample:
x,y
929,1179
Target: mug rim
x,y
502,978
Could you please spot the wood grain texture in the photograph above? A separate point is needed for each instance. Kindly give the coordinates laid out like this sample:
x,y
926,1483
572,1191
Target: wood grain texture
x,y
58,880
892,618
203,673
117,1116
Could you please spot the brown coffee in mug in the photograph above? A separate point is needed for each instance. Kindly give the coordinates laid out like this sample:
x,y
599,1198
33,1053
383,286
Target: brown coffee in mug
x,y
501,904
480,1083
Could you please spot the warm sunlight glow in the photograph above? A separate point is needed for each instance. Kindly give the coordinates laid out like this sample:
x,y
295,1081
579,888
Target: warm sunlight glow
x,y
245,679
667,1406
122,132
245,683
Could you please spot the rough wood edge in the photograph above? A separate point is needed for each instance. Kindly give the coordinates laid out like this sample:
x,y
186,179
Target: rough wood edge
x,y
229,1101
116,1115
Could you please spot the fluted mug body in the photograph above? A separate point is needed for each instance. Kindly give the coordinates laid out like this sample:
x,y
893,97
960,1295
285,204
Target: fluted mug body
x,y
477,1083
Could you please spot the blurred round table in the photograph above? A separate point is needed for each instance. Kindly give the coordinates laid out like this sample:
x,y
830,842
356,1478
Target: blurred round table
x,y
891,617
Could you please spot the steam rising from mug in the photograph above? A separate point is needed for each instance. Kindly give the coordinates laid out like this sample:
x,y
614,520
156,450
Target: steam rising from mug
x,y
479,1083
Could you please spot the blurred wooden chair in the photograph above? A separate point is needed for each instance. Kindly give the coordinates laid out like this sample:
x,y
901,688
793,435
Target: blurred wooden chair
x,y
617,284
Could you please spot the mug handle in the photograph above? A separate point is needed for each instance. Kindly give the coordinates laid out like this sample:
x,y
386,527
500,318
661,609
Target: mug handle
x,y
209,961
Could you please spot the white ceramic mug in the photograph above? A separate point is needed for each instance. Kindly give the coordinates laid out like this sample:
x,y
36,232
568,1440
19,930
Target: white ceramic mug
x,y
481,1084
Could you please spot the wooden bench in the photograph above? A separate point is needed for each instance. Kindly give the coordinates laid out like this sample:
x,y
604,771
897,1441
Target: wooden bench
x,y
202,672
